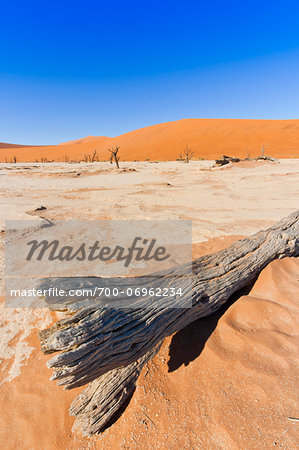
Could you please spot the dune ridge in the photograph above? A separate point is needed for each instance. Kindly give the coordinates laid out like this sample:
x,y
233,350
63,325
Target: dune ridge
x,y
5,145
209,138
96,139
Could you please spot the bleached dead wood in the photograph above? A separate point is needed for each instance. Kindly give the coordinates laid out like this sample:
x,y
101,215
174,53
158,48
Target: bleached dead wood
x,y
108,346
104,397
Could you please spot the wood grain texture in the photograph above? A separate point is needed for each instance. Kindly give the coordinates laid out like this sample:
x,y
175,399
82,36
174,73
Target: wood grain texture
x,y
107,347
103,399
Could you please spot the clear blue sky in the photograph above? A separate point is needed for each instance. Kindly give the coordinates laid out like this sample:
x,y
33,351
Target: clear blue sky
x,y
73,68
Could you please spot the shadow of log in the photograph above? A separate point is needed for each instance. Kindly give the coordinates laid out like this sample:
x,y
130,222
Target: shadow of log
x,y
187,344
107,347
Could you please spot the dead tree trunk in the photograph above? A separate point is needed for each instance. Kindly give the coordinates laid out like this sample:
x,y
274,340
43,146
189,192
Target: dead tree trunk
x,y
103,398
114,155
108,347
188,153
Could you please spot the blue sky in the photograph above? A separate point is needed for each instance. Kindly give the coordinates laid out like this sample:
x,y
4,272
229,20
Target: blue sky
x,y
73,68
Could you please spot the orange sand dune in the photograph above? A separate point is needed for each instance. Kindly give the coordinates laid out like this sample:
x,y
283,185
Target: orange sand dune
x,y
5,145
96,139
209,138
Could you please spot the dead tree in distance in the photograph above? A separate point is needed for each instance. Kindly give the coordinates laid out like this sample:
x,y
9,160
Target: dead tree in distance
x,y
263,151
114,155
188,153
91,157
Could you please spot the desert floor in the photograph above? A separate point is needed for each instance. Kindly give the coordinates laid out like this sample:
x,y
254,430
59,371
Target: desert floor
x,y
228,381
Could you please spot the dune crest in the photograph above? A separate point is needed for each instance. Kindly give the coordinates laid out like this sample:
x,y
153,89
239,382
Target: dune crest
x,y
96,139
209,138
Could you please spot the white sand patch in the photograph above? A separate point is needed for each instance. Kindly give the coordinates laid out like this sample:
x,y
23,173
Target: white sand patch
x,y
238,200
16,326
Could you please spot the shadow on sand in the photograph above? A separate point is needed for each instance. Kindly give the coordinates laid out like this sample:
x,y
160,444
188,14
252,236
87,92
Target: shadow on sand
x,y
188,343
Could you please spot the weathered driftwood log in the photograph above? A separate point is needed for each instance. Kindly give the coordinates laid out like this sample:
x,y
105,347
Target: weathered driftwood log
x,y
108,346
106,396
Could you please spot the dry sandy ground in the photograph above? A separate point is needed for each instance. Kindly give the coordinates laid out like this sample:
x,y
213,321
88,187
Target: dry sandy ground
x,y
228,381
209,138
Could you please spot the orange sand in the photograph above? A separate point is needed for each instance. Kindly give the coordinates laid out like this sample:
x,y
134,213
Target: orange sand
x,y
209,138
225,382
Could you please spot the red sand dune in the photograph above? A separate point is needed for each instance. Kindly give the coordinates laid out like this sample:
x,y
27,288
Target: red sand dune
x,y
209,138
89,139
5,145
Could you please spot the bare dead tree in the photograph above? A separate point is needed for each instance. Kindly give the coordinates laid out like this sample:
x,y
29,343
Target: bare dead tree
x,y
94,156
91,157
114,155
263,150
265,157
188,153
